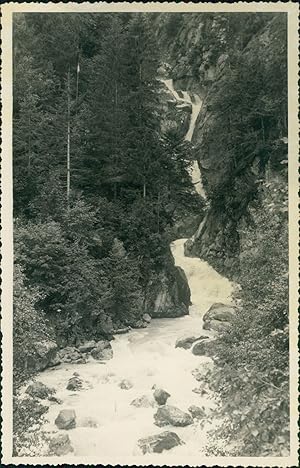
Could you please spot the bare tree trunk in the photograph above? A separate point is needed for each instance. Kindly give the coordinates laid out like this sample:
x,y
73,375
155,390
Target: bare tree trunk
x,y
29,148
68,141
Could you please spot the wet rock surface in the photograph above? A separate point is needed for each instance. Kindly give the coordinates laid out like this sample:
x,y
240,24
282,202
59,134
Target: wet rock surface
x,y
188,341
159,442
66,419
75,383
70,354
103,351
161,396
167,414
204,347
44,354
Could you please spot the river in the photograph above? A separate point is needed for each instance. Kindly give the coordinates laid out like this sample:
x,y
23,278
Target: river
x,y
145,357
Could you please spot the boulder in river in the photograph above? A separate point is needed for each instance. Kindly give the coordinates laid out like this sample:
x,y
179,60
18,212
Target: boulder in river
x,y
159,442
66,419
143,401
167,414
103,351
219,317
75,383
60,444
146,318
161,396
197,412
125,384
39,390
187,342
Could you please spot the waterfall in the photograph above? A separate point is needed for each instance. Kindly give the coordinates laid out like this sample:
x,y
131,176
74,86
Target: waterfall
x,y
196,105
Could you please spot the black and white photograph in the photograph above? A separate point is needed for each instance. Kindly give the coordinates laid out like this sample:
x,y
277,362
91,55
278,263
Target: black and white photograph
x,y
151,159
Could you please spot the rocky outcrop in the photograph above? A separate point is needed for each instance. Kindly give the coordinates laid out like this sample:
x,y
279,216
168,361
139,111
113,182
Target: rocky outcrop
x,y
159,442
39,390
170,415
168,294
44,354
187,341
231,183
70,354
66,419
204,347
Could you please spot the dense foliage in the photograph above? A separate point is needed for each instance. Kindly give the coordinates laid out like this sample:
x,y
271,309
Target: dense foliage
x,y
252,373
95,177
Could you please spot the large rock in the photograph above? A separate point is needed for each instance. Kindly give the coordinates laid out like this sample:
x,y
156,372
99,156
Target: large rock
x,y
87,346
219,317
159,442
75,383
60,445
161,396
187,342
221,312
103,351
143,401
204,347
167,414
70,354
66,419
44,354
39,390
167,294
146,318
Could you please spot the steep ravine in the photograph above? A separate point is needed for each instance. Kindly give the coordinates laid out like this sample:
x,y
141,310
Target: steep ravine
x,y
107,425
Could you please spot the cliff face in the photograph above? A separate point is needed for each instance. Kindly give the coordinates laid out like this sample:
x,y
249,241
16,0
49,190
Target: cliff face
x,y
237,63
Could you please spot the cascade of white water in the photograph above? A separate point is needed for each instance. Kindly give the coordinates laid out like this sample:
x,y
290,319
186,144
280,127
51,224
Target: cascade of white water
x,y
196,105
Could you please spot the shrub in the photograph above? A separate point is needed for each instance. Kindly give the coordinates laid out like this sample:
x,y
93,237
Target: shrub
x,y
29,324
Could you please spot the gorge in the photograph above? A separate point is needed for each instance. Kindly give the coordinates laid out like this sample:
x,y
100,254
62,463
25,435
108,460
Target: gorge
x,y
150,236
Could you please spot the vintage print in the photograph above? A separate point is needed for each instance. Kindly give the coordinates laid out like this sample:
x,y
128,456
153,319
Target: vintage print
x,y
153,302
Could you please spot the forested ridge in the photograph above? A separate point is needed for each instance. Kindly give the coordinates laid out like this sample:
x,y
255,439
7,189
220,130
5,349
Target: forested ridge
x,y
102,186
95,179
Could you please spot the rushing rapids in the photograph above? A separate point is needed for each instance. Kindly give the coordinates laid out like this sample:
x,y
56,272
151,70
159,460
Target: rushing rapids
x,y
107,425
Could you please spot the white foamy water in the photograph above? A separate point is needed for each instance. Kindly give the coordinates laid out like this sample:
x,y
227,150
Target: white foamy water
x,y
196,105
145,357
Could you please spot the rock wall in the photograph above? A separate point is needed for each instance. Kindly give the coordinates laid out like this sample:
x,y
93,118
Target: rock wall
x,y
168,294
200,49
